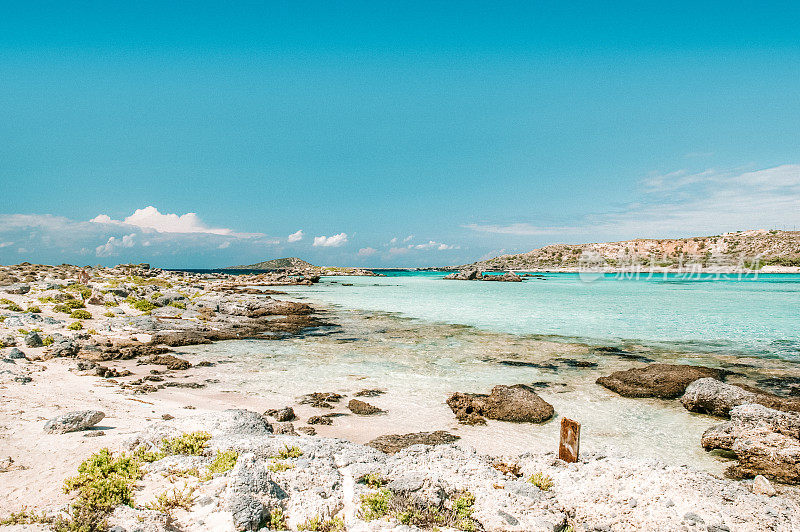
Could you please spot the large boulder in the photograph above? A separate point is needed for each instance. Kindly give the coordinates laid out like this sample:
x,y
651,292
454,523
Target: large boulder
x,y
666,381
765,442
73,421
518,403
710,396
32,339
362,408
465,275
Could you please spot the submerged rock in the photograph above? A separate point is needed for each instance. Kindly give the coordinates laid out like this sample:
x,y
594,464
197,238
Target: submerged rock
x,y
710,396
518,403
362,408
73,421
765,441
392,443
665,381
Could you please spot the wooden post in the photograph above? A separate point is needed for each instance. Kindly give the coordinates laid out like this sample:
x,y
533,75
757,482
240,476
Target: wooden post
x,y
570,443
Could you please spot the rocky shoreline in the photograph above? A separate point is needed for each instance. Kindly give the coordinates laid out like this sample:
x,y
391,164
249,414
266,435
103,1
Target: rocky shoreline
x,y
119,371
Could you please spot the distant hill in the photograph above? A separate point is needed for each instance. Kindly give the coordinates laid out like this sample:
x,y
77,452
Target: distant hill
x,y
286,263
742,248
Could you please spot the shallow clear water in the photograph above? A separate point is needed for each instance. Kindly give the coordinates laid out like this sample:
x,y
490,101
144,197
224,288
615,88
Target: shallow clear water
x,y
420,338
752,316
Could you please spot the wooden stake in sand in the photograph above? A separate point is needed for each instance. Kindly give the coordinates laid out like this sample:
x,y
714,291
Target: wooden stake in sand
x,y
570,442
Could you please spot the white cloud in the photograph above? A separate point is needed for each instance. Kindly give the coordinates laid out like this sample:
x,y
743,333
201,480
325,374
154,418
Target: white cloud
x,y
330,241
151,218
112,246
366,252
408,238
295,237
6,244
685,204
432,245
398,251
393,241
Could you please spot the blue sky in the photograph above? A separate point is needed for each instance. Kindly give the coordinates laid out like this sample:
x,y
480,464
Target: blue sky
x,y
389,133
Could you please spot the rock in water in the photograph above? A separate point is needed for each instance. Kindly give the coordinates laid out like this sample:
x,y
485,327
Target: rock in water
x,y
517,403
392,443
73,421
765,441
711,396
762,486
362,408
666,381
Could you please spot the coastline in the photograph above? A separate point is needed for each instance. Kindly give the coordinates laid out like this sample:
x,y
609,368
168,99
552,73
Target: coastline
x,y
130,407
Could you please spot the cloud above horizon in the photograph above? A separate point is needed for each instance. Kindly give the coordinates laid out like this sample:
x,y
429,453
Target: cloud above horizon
x,y
151,218
684,203
330,241
297,236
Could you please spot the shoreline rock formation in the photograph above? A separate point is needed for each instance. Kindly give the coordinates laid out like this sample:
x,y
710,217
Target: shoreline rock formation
x,y
518,403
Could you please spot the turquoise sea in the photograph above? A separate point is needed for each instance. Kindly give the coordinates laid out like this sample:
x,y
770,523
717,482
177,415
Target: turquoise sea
x,y
419,338
754,315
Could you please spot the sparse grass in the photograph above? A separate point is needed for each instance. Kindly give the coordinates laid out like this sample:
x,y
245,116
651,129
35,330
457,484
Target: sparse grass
x,y
84,291
373,480
108,314
277,466
25,517
143,455
316,524
13,307
223,462
168,501
177,304
454,512
75,326
541,481
276,520
81,314
192,443
289,452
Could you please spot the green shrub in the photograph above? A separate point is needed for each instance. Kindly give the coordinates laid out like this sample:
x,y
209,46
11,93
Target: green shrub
x,y
276,466
34,310
276,520
316,524
375,505
373,480
103,483
48,340
93,332
62,308
14,307
166,501
541,481
81,314
73,304
193,443
143,305
84,291
289,452
223,462
453,512
108,314
177,304
75,326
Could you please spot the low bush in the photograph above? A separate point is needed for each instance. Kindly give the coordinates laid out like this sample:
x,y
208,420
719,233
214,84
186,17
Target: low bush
x,y
34,310
143,305
223,462
192,443
75,326
541,481
81,314
168,501
316,524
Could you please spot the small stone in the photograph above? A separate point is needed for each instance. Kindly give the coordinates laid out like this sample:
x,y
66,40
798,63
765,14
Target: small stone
x,y
167,417
762,486
285,414
320,420
15,354
310,431
32,339
93,433
73,421
284,428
